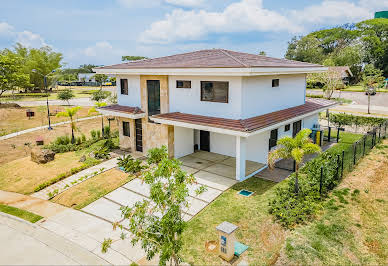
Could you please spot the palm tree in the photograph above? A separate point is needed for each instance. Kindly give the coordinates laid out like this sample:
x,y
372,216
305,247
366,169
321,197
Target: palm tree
x,y
94,110
70,113
294,148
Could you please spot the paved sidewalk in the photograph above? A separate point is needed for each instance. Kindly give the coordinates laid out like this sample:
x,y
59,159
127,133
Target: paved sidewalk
x,y
30,244
42,127
73,180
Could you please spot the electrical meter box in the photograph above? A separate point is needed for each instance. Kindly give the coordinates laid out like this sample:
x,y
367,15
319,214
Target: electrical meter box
x,y
227,238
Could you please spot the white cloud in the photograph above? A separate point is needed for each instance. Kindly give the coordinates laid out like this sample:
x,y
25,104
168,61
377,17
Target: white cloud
x,y
186,3
331,12
243,16
29,39
5,29
139,3
376,5
100,48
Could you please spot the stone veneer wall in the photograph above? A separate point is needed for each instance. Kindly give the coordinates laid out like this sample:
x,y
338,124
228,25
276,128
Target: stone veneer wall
x,y
156,135
127,143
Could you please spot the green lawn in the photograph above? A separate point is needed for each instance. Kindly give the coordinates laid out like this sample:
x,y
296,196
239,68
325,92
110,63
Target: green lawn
x,y
28,216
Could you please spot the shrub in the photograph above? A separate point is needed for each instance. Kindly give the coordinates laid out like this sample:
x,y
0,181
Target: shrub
x,y
83,137
93,133
62,140
78,140
107,132
156,155
130,165
98,134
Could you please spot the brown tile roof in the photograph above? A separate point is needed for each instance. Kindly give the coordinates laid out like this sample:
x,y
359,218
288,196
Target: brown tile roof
x,y
212,58
122,109
253,123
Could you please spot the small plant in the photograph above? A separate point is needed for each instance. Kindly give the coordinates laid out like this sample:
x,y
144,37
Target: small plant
x,y
106,244
78,140
83,137
53,193
98,134
102,169
67,185
156,155
130,165
93,133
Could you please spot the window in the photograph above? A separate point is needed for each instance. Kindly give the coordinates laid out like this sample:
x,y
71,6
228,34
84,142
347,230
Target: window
x,y
126,129
296,127
153,91
287,127
124,86
215,91
273,139
183,84
275,83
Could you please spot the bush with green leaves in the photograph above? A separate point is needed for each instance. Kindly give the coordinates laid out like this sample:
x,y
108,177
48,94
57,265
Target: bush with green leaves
x,y
62,140
130,165
107,133
156,155
343,119
65,95
93,134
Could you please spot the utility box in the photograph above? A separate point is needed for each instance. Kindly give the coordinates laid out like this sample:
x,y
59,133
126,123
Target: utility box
x,y
227,238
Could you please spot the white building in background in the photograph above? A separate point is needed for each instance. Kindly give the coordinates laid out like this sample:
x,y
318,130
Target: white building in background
x,y
219,101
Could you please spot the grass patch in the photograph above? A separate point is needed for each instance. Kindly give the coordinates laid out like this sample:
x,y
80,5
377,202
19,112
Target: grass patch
x,y
25,215
256,228
23,175
92,189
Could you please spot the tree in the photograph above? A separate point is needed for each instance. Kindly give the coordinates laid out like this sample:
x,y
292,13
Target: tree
x,y
132,57
65,95
262,53
157,223
294,148
94,110
70,113
11,72
44,60
371,78
100,95
86,68
100,78
331,80
305,49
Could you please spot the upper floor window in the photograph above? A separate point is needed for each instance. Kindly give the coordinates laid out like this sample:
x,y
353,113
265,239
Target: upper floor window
x,y
124,86
275,83
287,127
153,93
215,91
186,84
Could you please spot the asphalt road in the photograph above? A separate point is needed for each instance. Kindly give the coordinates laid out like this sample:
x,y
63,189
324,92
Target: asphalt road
x,y
380,99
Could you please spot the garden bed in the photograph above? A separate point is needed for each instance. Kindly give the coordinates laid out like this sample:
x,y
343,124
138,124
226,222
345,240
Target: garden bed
x,y
92,189
25,215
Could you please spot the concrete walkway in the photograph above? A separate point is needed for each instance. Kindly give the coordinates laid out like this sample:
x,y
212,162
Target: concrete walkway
x,y
76,179
42,127
30,244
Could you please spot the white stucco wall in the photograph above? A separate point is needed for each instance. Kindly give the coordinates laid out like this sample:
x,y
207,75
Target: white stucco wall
x,y
309,121
189,100
133,98
223,144
183,141
259,97
257,147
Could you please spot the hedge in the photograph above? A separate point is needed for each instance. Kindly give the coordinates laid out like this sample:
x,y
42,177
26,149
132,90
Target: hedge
x,y
343,119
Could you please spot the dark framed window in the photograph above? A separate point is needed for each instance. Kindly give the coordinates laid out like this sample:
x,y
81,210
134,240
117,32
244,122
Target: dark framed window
x,y
186,84
126,131
273,139
153,92
215,91
287,127
296,127
124,86
275,83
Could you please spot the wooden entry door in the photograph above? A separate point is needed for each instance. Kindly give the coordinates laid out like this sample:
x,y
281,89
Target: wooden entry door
x,y
296,127
204,138
139,135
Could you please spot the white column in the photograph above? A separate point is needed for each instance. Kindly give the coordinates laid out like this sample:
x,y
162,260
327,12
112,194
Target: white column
x,y
240,157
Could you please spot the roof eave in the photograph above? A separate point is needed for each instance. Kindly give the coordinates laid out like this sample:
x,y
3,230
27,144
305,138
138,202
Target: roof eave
x,y
246,71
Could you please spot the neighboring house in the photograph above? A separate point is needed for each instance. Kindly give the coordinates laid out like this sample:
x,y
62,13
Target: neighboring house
x,y
343,73
220,101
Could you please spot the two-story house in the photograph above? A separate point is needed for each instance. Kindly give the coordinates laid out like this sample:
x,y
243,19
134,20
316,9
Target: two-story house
x,y
219,101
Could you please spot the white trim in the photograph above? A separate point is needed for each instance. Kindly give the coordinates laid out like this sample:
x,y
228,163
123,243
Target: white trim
x,y
120,114
254,71
234,132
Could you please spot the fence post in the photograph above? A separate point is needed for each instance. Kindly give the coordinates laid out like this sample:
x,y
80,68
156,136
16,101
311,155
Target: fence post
x,y
337,170
342,163
363,150
321,181
379,132
338,130
354,153
294,166
329,134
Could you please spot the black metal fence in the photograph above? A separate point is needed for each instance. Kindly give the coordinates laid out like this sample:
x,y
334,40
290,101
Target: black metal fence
x,y
345,161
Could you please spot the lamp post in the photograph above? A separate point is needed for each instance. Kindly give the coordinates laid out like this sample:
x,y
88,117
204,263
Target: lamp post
x,y
47,103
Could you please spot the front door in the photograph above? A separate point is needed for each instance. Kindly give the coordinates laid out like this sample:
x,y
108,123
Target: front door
x,y
296,127
273,139
153,92
139,135
204,137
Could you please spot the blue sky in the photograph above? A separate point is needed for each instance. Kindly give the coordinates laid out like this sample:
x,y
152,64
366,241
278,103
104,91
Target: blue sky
x,y
100,31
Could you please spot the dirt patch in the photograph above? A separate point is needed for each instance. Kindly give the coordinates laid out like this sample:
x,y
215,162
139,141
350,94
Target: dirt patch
x,y
20,146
